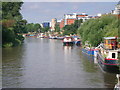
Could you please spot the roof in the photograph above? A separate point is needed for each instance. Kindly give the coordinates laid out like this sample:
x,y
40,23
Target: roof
x,y
70,14
75,36
109,37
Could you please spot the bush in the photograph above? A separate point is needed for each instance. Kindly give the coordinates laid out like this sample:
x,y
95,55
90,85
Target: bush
x,y
6,45
17,42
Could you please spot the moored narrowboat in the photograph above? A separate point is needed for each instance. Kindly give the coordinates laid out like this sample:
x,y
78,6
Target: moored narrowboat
x,y
89,51
109,55
68,41
77,40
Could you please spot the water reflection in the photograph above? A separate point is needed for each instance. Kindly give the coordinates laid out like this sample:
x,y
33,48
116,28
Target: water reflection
x,y
107,79
12,66
67,49
88,62
110,81
44,63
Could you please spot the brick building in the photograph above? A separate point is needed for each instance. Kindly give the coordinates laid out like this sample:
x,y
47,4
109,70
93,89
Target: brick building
x,y
61,23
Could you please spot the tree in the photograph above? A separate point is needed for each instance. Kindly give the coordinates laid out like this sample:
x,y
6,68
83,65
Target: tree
x,y
72,29
31,27
94,30
37,27
46,29
19,27
12,24
57,28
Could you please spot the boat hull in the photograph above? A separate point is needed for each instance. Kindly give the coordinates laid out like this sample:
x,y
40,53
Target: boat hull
x,y
78,43
108,67
89,51
68,43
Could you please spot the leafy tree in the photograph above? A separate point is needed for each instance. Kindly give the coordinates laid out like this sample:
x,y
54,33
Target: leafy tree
x,y
10,10
94,30
57,28
12,24
31,27
19,27
72,29
46,29
37,27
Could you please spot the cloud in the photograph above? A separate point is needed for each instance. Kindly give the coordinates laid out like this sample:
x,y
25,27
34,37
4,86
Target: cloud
x,y
34,6
45,11
75,7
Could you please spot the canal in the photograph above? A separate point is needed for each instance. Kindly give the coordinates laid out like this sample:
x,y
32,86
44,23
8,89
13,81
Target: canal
x,y
45,63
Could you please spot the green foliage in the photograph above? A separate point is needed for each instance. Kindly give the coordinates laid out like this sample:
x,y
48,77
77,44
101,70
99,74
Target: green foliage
x,y
10,10
31,27
12,24
72,29
17,42
19,27
7,45
8,35
94,30
57,28
46,29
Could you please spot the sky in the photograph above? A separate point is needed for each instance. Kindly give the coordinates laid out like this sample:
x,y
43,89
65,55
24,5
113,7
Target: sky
x,y
39,12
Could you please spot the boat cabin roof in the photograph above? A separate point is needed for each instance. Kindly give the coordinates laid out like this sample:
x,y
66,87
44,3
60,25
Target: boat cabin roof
x,y
109,38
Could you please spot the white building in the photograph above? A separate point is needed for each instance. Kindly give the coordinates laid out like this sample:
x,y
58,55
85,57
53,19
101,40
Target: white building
x,y
117,9
53,23
70,18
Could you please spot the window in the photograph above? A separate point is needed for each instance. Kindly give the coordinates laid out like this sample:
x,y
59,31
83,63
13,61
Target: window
x,y
109,41
113,55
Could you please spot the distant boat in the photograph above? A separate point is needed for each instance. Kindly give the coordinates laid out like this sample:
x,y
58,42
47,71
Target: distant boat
x,y
60,38
89,51
41,35
77,40
68,41
108,55
52,37
31,35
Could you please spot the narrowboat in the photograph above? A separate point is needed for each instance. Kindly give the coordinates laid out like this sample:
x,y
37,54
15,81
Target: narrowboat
x,y
60,38
31,35
108,55
68,41
53,37
77,40
89,51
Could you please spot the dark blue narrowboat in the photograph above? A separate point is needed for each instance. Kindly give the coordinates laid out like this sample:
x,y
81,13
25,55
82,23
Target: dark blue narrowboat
x,y
108,55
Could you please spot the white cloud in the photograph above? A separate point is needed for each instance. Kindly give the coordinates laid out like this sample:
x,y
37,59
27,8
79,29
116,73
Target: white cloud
x,y
43,11
34,6
75,7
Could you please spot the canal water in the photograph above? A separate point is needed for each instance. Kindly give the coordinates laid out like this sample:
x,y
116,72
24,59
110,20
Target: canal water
x,y
45,63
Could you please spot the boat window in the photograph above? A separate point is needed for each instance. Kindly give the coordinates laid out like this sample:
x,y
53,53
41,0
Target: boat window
x,y
109,41
113,55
